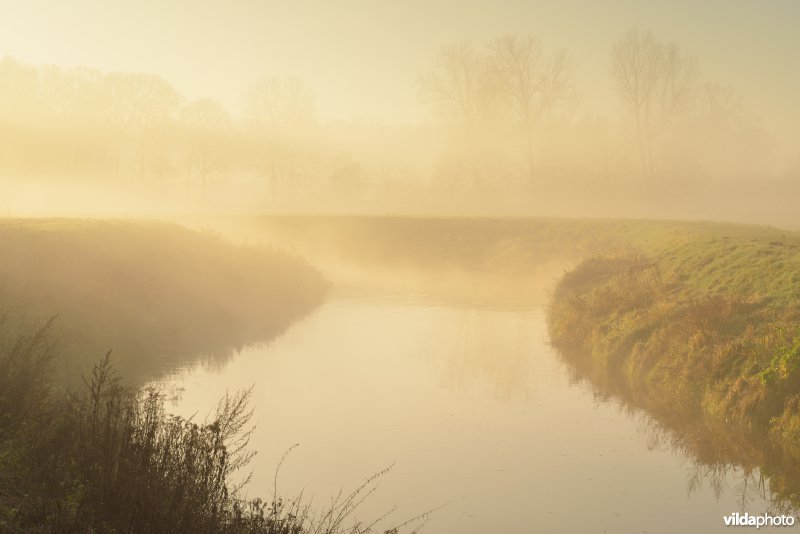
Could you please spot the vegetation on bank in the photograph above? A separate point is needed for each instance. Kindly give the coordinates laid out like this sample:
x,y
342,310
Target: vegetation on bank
x,y
692,321
108,458
99,456
153,293
695,321
706,321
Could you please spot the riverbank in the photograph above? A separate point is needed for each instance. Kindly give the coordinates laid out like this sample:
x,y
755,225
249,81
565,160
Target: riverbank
x,y
696,322
97,454
664,316
699,320
155,294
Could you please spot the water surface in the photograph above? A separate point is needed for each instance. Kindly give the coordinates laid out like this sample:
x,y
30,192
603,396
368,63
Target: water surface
x,y
473,408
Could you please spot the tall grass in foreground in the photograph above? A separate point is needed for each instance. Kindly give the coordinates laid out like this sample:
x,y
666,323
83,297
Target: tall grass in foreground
x,y
108,458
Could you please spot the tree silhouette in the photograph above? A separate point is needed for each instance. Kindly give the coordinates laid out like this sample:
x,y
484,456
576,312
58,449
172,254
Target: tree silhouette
x,y
532,84
206,122
656,82
462,87
280,111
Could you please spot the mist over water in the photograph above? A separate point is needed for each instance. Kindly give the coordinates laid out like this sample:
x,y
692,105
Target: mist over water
x,y
474,410
365,210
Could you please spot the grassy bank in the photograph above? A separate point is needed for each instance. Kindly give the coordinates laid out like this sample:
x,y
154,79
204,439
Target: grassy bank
x,y
154,293
695,320
705,313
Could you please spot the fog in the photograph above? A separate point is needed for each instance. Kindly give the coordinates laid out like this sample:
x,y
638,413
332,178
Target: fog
x,y
488,247
632,109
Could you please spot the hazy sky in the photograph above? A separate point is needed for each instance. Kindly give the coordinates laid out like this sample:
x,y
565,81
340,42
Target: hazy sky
x,y
363,57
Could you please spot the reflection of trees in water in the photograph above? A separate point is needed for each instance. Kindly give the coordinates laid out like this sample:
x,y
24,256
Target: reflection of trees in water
x,y
710,466
749,485
214,360
726,459
491,349
181,364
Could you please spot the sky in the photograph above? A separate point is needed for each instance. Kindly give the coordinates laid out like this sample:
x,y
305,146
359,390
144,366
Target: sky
x,y
364,58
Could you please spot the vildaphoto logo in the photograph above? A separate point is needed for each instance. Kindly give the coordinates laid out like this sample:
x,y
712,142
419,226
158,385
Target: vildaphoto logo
x,y
764,520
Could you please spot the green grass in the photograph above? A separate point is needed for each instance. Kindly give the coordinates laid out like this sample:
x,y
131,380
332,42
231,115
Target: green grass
x,y
688,344
723,258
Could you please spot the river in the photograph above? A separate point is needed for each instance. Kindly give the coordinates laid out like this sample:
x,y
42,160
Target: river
x,y
475,413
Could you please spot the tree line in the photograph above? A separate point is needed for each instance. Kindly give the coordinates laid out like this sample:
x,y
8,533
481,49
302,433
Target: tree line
x,y
672,121
508,118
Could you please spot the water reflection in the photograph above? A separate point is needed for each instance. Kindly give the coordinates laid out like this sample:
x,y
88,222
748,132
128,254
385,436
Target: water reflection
x,y
476,410
480,348
721,458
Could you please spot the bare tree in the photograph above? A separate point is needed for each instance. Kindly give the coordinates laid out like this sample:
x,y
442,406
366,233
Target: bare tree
x,y
718,104
532,84
206,122
656,81
461,87
462,91
280,110
733,140
280,102
144,106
